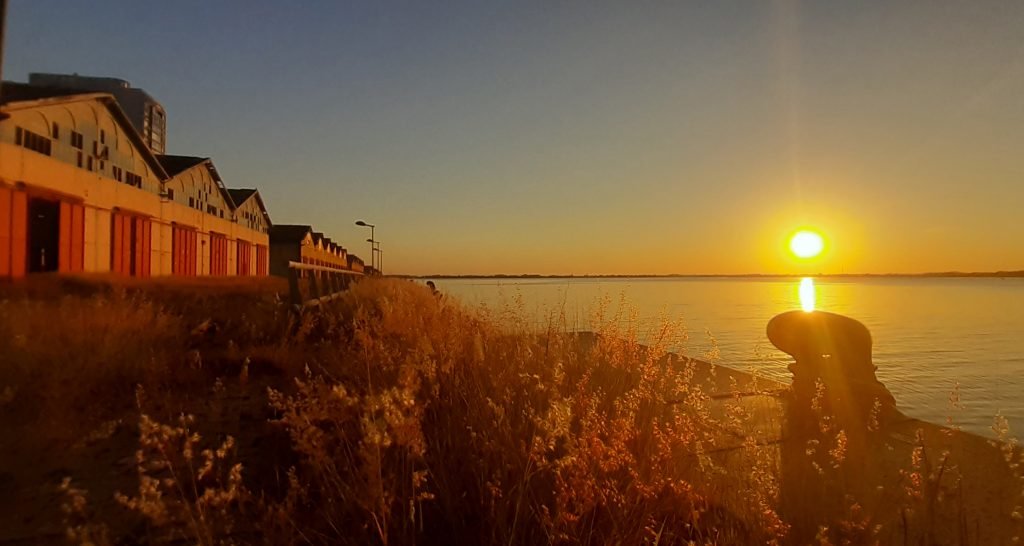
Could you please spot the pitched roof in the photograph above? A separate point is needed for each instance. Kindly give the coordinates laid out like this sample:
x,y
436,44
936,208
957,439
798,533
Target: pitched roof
x,y
289,233
240,196
177,164
17,92
23,95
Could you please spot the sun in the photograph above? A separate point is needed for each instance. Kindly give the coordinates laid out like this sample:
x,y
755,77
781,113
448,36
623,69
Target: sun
x,y
806,244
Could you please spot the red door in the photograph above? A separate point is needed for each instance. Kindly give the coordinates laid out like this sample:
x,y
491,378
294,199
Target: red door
x,y
6,215
183,251
72,238
19,234
218,254
261,260
130,245
244,259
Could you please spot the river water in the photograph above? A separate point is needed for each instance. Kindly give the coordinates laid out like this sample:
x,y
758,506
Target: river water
x,y
931,335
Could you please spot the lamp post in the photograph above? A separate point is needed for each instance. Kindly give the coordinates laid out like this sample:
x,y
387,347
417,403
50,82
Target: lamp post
x,y
360,223
375,248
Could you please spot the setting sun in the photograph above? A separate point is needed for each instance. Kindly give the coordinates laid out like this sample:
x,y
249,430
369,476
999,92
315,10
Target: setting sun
x,y
806,244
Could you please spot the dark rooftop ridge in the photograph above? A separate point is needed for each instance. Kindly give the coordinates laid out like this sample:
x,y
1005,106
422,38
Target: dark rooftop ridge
x,y
288,233
176,164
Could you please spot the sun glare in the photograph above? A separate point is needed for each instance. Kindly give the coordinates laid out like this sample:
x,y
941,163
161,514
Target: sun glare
x,y
806,244
807,294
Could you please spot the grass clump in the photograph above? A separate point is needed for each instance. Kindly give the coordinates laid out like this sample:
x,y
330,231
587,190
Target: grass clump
x,y
436,422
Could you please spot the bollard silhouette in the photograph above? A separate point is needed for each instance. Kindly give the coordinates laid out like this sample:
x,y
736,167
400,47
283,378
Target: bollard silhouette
x,y
835,394
833,369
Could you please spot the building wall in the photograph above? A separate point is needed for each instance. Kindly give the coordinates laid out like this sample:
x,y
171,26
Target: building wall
x,y
205,224
249,214
196,188
315,252
79,133
103,195
144,112
281,254
191,194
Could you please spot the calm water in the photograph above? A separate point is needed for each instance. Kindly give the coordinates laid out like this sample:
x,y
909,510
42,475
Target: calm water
x,y
929,334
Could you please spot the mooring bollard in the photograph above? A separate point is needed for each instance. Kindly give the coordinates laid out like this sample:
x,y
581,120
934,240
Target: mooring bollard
x,y
833,371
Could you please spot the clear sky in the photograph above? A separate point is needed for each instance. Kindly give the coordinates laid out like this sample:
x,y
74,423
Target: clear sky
x,y
584,137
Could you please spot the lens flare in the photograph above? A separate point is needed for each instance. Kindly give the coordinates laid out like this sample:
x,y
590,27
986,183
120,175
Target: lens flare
x,y
807,294
806,244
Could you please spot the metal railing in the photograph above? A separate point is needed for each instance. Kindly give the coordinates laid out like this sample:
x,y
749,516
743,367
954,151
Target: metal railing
x,y
322,284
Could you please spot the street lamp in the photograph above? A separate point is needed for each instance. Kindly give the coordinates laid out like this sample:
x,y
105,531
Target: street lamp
x,y
375,247
361,223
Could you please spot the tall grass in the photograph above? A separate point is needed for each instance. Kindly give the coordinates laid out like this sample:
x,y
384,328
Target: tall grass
x,y
435,423
409,419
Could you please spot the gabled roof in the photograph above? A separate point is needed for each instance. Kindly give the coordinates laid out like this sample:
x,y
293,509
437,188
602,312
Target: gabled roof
x,y
289,233
240,196
177,164
16,96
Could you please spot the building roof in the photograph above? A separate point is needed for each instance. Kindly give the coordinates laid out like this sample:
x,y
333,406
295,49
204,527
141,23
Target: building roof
x,y
102,84
15,95
289,233
240,196
177,164
318,238
88,82
18,92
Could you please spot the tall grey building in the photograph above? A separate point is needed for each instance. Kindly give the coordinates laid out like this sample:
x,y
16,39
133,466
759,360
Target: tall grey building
x,y
145,113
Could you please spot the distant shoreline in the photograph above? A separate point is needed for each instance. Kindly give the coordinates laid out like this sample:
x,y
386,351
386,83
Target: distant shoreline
x,y
946,274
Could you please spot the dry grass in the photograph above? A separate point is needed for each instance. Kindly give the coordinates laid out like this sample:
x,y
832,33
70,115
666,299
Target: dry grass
x,y
395,417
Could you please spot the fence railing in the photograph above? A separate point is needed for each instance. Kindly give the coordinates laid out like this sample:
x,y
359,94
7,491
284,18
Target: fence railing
x,y
322,284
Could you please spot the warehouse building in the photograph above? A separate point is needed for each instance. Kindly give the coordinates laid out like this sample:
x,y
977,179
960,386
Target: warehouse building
x,y
81,190
300,244
143,111
210,233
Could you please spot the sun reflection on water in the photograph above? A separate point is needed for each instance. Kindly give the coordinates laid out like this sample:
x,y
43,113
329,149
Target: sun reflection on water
x,y
807,294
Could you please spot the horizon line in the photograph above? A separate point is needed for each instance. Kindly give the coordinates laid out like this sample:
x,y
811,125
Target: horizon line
x,y
947,274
